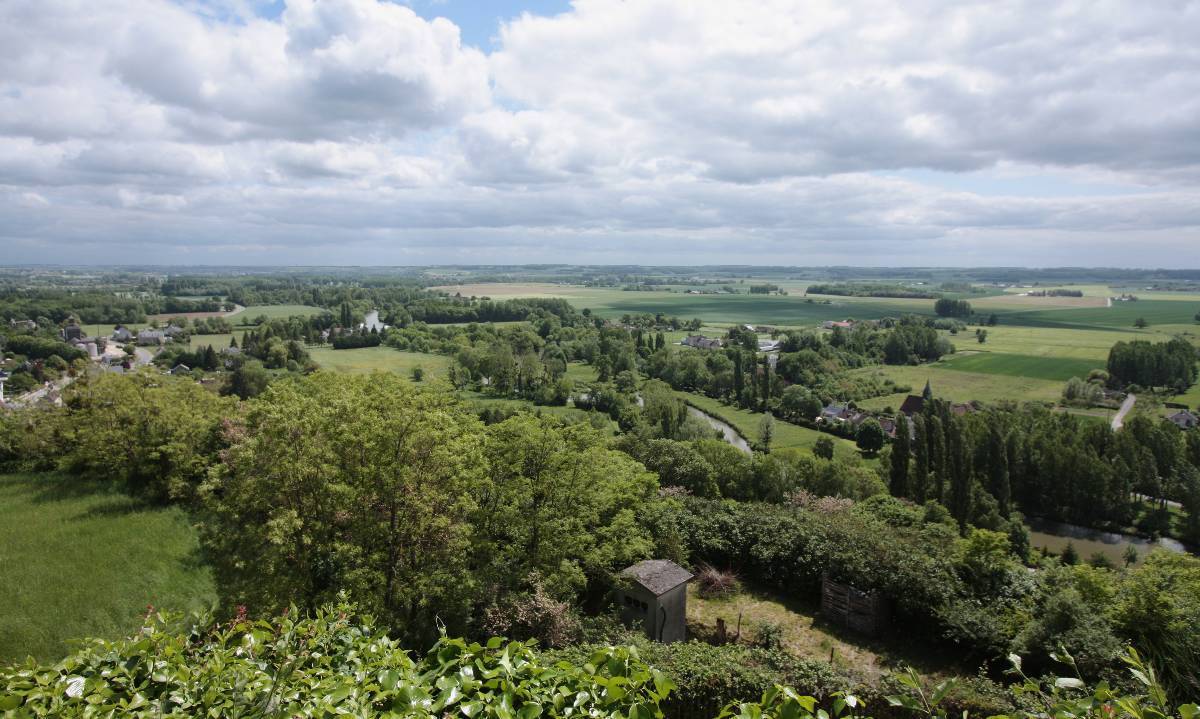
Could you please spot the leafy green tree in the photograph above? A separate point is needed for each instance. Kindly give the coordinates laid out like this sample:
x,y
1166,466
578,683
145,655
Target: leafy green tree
x,y
1069,556
361,483
870,436
766,432
249,379
157,435
823,448
561,505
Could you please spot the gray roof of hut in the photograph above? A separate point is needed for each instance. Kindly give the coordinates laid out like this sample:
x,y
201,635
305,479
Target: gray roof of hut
x,y
658,575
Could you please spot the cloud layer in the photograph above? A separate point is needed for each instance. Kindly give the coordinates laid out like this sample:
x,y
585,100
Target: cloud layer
x,y
356,131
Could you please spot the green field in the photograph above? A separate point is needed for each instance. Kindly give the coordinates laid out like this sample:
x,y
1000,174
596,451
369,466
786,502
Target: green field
x,y
78,560
1092,344
380,359
961,386
794,310
219,342
275,312
1059,369
1120,316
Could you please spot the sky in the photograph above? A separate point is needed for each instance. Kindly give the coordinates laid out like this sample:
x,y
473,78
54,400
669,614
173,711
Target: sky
x,y
795,132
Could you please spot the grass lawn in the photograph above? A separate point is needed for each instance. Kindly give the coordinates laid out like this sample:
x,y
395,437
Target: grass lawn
x,y
381,359
787,435
580,373
959,386
219,342
77,560
1191,398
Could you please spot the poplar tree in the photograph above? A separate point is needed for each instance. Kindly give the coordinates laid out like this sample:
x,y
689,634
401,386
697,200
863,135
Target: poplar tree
x,y
899,484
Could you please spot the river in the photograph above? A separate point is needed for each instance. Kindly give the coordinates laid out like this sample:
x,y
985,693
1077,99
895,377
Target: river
x,y
1055,536
371,322
729,433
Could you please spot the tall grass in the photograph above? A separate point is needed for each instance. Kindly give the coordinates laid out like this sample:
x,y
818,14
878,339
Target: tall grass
x,y
80,560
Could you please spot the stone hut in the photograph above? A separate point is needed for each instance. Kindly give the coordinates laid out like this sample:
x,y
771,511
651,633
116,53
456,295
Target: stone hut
x,y
654,594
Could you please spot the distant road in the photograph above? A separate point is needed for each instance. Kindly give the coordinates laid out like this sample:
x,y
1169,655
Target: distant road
x,y
1119,419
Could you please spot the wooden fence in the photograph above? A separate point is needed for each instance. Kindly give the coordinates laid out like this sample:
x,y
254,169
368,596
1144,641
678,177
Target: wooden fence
x,y
865,612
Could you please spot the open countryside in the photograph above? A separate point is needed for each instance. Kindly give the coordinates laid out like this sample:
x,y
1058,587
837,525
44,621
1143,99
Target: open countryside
x,y
597,359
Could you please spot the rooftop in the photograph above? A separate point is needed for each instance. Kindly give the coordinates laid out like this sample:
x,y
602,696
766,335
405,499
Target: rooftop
x,y
658,575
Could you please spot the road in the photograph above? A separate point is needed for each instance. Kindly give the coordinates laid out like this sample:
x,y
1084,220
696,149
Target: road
x,y
34,396
1119,419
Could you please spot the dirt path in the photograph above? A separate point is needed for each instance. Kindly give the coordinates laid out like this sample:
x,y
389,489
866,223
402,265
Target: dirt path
x,y
1119,419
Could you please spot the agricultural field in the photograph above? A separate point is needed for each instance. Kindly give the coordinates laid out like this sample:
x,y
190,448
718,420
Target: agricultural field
x,y
778,310
380,359
1059,369
276,312
959,386
1092,344
80,560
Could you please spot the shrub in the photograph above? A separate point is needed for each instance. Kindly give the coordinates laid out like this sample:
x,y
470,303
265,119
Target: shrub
x,y
712,583
334,663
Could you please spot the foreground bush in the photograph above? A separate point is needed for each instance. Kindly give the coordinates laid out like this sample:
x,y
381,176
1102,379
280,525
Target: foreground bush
x,y
339,664
331,664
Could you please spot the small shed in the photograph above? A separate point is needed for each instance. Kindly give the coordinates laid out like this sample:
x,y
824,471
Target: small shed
x,y
180,369
655,595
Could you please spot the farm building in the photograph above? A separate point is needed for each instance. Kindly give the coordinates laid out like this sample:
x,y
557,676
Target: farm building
x,y
122,334
180,369
151,337
1184,419
654,594
701,342
835,413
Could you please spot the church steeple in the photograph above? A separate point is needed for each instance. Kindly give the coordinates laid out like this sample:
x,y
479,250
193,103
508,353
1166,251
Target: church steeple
x,y
927,393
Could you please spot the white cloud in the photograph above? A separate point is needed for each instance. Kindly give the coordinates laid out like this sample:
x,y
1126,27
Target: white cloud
x,y
781,131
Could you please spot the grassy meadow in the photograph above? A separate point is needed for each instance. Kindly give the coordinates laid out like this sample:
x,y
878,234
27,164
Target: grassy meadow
x,y
276,312
1059,369
959,386
78,560
380,359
